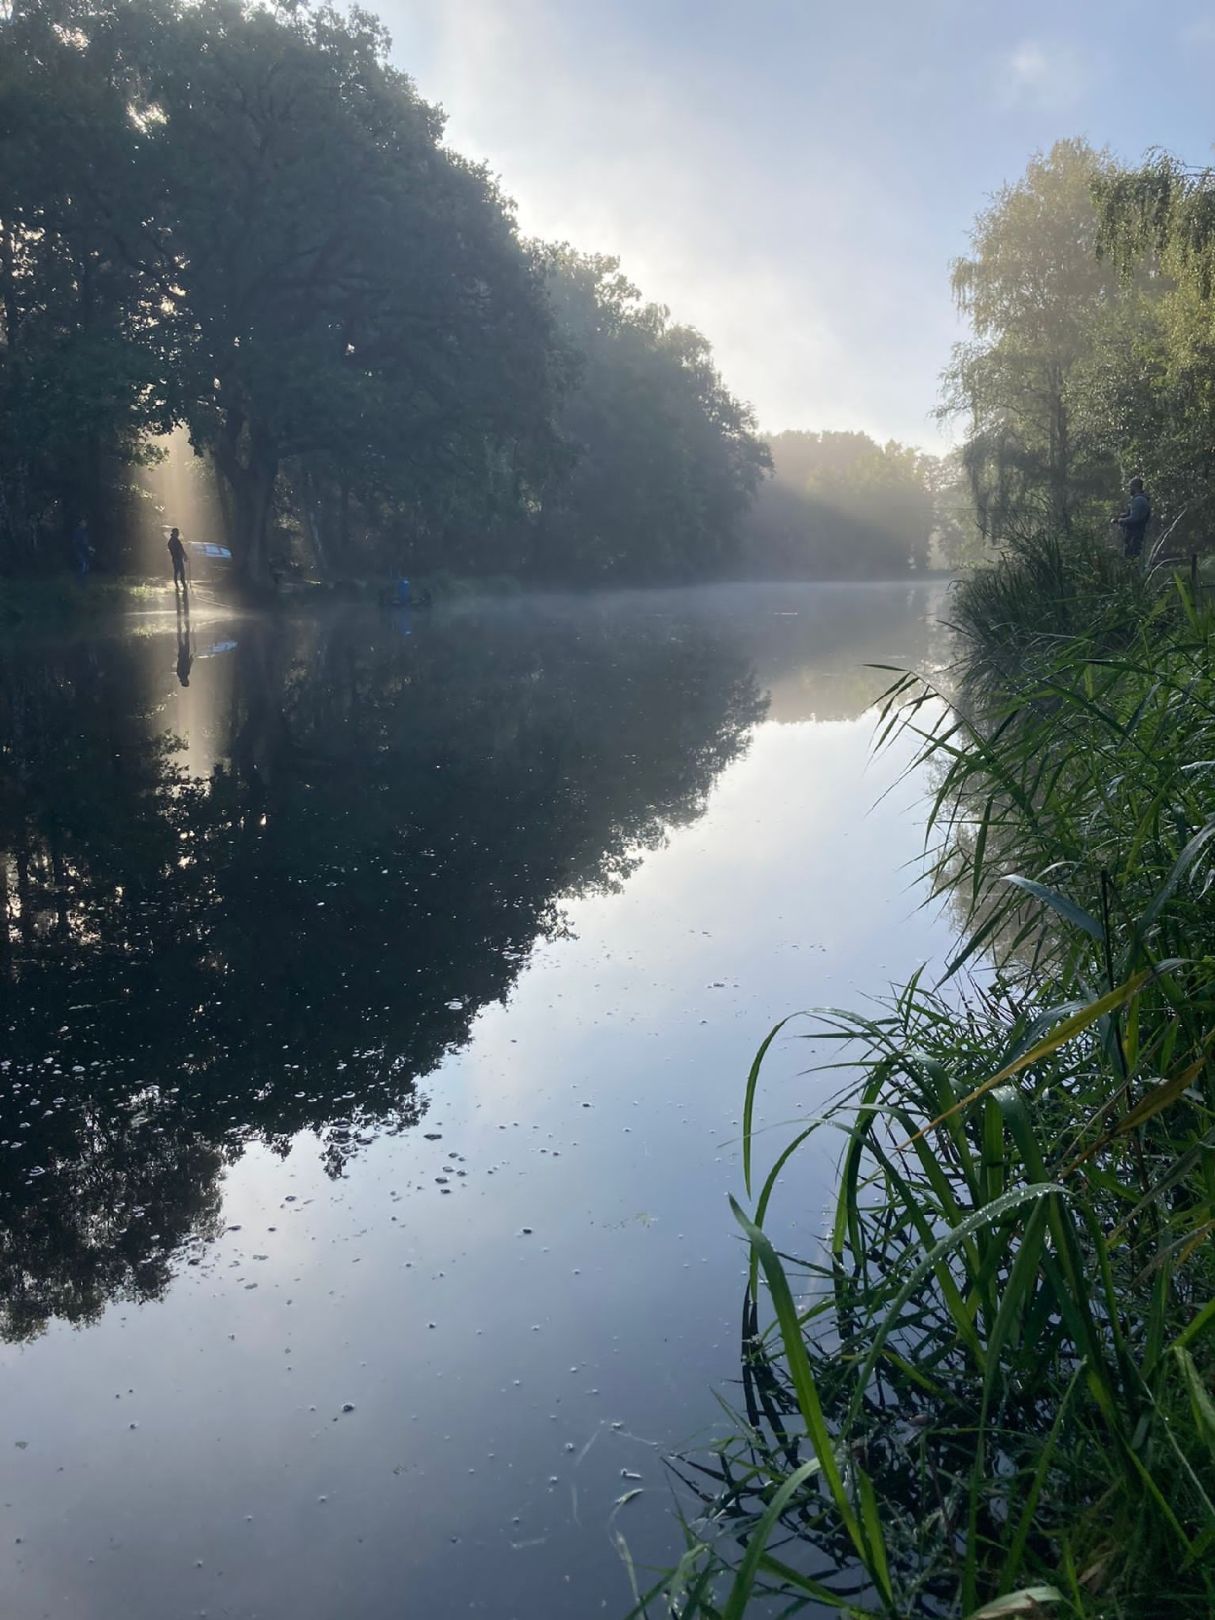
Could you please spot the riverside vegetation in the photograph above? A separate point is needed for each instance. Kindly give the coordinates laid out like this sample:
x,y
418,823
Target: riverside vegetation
x,y
992,1382
987,1391
241,226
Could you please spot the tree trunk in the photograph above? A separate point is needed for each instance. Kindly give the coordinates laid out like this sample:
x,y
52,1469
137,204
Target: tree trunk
x,y
256,508
8,970
1060,459
248,464
312,510
344,525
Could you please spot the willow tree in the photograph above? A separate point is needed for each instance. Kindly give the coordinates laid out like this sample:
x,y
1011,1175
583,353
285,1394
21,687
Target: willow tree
x,y
1036,294
1158,222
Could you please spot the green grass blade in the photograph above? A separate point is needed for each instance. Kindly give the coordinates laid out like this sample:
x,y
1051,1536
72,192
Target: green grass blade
x,y
748,1570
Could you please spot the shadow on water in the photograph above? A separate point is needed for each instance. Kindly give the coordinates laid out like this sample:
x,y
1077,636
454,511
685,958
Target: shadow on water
x,y
290,940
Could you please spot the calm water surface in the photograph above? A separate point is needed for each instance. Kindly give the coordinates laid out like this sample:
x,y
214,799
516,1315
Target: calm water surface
x,y
376,998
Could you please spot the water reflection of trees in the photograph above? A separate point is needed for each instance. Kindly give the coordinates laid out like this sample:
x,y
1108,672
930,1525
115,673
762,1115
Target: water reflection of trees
x,y
292,941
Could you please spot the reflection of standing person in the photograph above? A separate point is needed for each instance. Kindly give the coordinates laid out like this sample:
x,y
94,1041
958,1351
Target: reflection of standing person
x,y
178,553
185,657
82,547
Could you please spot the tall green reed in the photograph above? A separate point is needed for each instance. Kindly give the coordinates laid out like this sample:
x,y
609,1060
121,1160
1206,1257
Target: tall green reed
x,y
988,1392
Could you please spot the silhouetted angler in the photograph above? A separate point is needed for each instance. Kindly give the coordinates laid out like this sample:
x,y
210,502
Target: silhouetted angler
x,y
1134,521
178,553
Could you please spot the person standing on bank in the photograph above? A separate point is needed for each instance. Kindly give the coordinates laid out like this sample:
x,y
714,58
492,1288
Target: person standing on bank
x,y
178,553
1134,521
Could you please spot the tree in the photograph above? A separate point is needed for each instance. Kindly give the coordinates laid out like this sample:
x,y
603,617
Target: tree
x,y
79,381
663,461
1157,227
1036,294
342,292
243,220
956,537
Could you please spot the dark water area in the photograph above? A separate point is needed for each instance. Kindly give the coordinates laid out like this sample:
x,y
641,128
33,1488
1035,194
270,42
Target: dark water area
x,y
376,997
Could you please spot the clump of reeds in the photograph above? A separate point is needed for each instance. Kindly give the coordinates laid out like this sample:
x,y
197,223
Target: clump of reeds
x,y
989,1393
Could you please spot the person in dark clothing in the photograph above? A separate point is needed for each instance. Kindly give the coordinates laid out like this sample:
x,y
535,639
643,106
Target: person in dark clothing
x,y
82,547
178,553
1134,521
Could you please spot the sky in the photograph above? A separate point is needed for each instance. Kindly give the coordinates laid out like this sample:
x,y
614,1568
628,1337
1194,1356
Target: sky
x,y
794,177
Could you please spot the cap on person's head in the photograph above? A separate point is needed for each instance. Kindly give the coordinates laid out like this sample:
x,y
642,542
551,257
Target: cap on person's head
x,y
1136,486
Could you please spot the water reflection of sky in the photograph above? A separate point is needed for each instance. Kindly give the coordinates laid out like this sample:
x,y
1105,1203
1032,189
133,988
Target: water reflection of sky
x,y
524,1298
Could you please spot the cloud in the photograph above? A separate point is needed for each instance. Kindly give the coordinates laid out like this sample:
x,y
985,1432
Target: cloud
x,y
1200,33
1049,76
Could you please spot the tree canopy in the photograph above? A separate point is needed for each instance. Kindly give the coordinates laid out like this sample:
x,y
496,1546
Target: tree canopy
x,y
245,222
664,461
1089,291
1035,292
1157,227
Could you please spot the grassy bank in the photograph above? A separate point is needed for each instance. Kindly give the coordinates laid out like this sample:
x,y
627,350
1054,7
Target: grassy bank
x,y
63,599
989,1391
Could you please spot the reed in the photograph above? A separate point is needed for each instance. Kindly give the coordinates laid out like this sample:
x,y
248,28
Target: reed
x,y
988,1392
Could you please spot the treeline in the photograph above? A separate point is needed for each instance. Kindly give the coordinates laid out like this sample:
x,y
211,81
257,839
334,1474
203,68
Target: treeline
x,y
1089,290
244,222
842,506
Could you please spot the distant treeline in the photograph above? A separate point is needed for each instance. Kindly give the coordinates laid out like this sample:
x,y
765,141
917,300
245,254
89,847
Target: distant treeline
x,y
842,506
243,221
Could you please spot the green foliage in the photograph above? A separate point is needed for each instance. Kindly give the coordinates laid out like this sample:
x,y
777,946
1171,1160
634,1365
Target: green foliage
x,y
958,539
1156,225
1037,295
345,293
663,460
1041,591
78,375
1001,1359
244,220
841,506
1089,288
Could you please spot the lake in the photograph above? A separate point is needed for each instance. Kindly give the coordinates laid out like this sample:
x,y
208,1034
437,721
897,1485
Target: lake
x,y
377,994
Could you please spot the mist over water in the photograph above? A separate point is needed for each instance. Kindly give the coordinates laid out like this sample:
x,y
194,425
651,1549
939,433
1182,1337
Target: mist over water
x,y
376,1009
